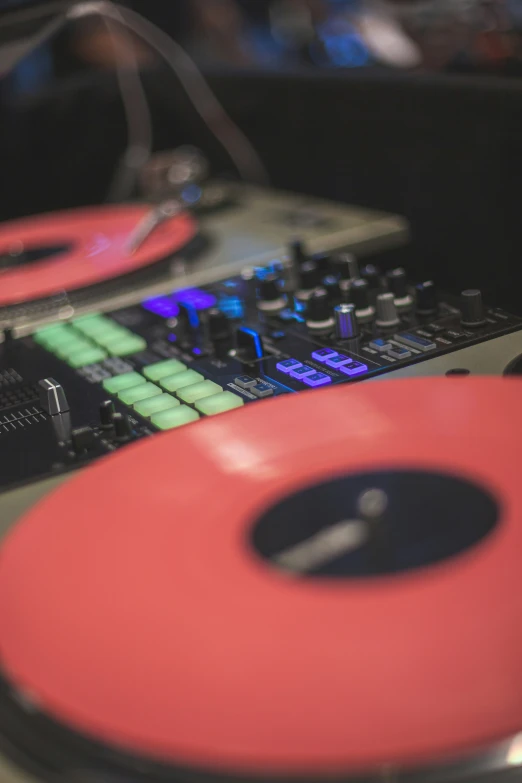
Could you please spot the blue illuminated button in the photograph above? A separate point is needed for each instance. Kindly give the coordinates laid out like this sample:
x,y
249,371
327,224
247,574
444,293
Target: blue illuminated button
x,y
317,379
354,368
338,360
245,381
398,352
380,345
288,365
415,341
302,372
323,354
262,390
232,307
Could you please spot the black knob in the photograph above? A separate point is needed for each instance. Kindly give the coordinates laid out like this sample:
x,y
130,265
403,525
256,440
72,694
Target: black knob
x,y
83,440
106,414
298,254
323,262
122,426
472,308
331,285
319,310
188,322
308,276
218,325
360,294
387,315
398,282
360,297
398,285
249,344
268,293
427,303
372,274
345,266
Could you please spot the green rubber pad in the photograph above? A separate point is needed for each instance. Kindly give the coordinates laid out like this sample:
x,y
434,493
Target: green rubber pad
x,y
148,408
54,327
89,356
121,382
50,329
196,392
155,372
175,417
112,334
57,339
174,382
94,327
219,403
139,393
73,348
127,346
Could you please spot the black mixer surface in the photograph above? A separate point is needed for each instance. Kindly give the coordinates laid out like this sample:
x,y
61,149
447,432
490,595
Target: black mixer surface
x,y
79,389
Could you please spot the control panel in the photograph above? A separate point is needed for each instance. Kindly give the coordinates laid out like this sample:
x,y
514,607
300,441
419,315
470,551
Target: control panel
x,y
78,389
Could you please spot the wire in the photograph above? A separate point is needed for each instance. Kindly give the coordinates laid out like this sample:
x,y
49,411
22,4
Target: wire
x,y
137,111
232,139
44,35
28,14
139,120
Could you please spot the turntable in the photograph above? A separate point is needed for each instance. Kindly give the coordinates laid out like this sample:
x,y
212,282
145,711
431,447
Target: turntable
x,y
340,599
57,265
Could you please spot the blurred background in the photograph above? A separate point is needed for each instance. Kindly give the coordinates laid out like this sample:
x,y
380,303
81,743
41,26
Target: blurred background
x,y
412,106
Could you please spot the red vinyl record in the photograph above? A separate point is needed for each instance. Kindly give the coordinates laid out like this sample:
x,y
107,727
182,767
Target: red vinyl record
x,y
137,606
92,246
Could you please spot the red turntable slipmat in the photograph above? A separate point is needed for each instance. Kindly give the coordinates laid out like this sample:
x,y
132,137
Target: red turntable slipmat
x,y
134,608
96,238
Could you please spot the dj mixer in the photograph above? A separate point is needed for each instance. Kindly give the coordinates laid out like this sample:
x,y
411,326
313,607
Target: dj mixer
x,y
81,388
228,553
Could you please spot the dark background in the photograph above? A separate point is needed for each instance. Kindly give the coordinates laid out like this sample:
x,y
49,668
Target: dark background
x,y
444,149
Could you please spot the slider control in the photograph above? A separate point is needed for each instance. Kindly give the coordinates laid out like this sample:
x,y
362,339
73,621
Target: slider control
x,y
52,396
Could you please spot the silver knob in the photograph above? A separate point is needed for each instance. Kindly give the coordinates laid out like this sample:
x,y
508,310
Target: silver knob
x,y
387,316
52,397
346,326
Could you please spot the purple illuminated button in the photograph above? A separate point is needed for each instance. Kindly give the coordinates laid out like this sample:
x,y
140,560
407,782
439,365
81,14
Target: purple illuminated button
x,y
354,368
288,365
317,379
163,306
323,354
302,372
196,297
338,360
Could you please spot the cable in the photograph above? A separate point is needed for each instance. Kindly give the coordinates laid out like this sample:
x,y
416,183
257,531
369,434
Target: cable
x,y
139,121
32,44
24,15
136,107
232,139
